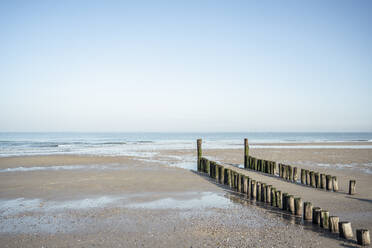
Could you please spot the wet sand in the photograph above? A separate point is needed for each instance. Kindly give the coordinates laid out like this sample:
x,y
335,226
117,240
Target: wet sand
x,y
136,202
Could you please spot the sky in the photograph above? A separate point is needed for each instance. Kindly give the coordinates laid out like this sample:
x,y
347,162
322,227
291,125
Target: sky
x,y
168,66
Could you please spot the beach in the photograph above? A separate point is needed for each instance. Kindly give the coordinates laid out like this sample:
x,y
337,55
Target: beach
x,y
134,201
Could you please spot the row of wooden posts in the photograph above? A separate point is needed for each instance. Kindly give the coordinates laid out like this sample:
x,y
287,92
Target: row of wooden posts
x,y
260,191
290,173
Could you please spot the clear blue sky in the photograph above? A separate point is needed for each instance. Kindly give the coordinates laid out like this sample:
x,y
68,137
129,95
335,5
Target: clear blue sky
x,y
186,65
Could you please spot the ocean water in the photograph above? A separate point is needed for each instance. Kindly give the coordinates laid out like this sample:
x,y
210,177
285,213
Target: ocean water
x,y
146,144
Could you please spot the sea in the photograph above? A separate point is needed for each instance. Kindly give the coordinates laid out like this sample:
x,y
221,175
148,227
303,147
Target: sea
x,y
134,144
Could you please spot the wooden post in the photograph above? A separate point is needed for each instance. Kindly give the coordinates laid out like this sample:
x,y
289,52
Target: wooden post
x,y
312,179
258,197
239,186
242,183
295,174
333,224
273,197
317,180
345,229
284,201
329,182
199,151
268,194
298,206
363,237
287,173
263,192
278,197
207,166
335,184
222,175
217,172
280,169
253,189
245,181
316,215
323,181
324,219
229,179
211,169
308,211
248,186
290,168
352,184
291,204
246,153
307,177
274,168
255,164
303,176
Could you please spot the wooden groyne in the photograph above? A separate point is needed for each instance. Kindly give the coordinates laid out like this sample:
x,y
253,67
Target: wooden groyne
x,y
290,173
260,191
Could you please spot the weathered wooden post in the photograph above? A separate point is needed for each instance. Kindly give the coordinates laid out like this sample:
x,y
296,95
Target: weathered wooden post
x,y
268,194
323,181
317,180
307,177
199,151
239,186
295,174
246,153
263,192
290,168
303,176
291,204
324,219
280,169
308,211
284,201
278,197
242,183
207,166
288,172
211,169
273,197
222,175
345,229
258,186
229,178
352,184
245,181
298,206
274,168
217,170
253,189
249,186
329,182
363,237
333,224
255,164
335,184
312,179
316,215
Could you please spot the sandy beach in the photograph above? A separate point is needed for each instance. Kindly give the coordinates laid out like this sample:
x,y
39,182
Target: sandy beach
x,y
129,201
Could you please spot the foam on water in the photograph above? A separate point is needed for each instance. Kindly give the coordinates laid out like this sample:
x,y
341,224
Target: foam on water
x,y
364,167
62,167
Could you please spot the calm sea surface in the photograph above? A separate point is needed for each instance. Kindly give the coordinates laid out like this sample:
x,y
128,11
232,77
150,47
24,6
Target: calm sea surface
x,y
18,144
